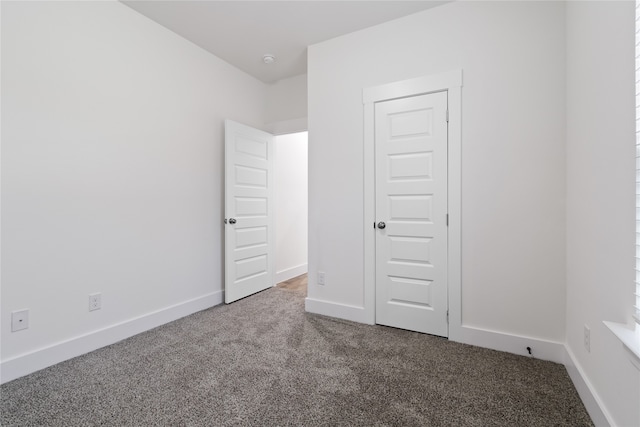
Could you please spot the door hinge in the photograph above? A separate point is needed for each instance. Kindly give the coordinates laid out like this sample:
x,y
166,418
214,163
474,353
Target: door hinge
x,y
447,317
447,220
447,116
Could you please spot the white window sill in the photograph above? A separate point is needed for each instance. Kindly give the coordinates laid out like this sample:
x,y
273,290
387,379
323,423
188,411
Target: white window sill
x,y
630,340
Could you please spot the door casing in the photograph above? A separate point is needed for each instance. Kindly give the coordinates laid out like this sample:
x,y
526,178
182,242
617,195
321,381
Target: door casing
x,y
451,82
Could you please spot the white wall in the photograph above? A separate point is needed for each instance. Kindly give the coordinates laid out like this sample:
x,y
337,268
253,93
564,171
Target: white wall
x,y
286,105
600,198
513,126
290,153
112,174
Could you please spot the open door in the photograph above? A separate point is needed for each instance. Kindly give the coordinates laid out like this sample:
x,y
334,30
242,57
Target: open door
x,y
248,211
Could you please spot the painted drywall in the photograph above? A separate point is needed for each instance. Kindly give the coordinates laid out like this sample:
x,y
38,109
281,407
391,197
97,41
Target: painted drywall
x,y
600,197
290,165
513,156
286,106
112,167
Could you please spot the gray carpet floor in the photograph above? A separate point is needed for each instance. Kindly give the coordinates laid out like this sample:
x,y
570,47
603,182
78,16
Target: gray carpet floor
x,y
263,361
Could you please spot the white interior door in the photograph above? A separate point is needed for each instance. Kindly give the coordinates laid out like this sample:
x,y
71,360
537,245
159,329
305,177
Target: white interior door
x,y
248,211
411,213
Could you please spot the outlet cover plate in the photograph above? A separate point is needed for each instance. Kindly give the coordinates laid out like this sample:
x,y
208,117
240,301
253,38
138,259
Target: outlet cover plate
x,y
95,301
587,338
321,278
19,320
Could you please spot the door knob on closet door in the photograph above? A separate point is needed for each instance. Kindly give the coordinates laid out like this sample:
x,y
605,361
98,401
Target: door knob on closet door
x,y
232,220
381,225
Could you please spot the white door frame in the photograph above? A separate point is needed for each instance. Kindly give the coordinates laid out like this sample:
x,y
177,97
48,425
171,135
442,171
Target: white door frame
x,y
452,83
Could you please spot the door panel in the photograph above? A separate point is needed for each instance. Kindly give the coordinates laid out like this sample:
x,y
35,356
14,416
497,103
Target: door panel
x,y
411,199
248,211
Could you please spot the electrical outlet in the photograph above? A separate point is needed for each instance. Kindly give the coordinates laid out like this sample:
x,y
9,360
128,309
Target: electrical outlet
x,y
95,301
587,338
19,320
321,278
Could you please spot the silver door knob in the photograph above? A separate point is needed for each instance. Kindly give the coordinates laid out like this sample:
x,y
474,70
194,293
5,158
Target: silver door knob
x,y
232,220
381,225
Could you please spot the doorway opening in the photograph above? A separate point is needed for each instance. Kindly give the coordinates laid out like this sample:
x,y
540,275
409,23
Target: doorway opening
x,y
291,209
265,209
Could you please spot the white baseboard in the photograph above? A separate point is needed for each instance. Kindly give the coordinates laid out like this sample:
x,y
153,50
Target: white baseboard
x,y
332,309
36,360
290,273
515,344
596,409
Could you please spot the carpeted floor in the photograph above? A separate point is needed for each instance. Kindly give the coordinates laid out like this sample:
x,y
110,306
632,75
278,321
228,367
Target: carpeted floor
x,y
263,361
